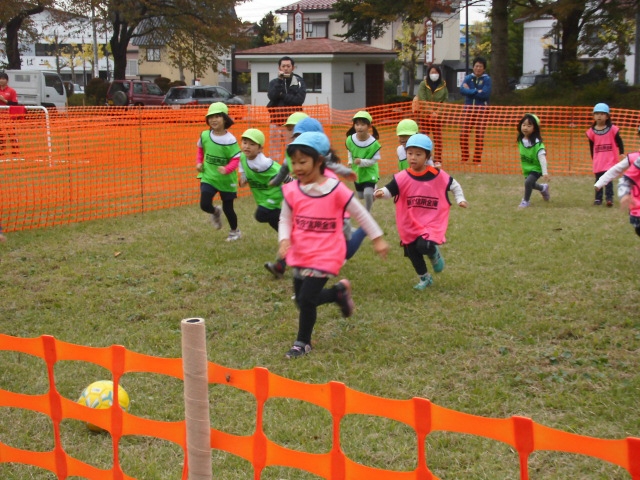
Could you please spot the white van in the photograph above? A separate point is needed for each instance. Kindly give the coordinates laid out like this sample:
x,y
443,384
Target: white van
x,y
38,87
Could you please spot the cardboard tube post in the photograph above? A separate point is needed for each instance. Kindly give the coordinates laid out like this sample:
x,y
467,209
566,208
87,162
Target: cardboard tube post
x,y
196,398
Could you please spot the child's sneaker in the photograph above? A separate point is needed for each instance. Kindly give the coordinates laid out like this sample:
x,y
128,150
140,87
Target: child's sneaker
x,y
597,202
298,350
344,299
609,203
524,204
425,281
215,218
234,235
546,196
276,268
437,261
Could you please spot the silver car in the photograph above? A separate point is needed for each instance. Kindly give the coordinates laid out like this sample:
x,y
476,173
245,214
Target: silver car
x,y
200,95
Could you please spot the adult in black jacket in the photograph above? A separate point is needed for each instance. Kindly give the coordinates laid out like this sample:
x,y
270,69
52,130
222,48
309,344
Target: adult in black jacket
x,y
287,90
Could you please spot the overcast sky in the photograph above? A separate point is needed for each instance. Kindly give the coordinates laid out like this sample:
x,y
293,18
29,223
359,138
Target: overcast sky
x,y
255,10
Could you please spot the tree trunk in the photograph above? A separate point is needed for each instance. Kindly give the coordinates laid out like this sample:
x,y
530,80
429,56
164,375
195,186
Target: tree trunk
x,y
570,24
499,46
119,42
14,62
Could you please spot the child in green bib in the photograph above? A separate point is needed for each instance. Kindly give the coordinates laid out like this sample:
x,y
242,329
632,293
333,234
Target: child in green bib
x,y
364,154
257,170
217,159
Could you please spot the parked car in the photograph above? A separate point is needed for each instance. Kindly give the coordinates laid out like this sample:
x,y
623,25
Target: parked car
x,y
200,95
530,80
134,92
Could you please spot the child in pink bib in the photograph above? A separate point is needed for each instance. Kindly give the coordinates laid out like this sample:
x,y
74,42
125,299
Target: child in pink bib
x,y
310,234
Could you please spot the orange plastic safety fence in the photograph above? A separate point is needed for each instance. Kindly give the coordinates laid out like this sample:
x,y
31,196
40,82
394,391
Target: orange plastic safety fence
x,y
522,434
95,162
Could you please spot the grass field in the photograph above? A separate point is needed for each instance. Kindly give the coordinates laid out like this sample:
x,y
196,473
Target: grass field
x,y
536,314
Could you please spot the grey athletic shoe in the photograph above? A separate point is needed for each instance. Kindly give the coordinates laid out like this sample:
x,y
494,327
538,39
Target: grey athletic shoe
x,y
299,349
215,218
546,196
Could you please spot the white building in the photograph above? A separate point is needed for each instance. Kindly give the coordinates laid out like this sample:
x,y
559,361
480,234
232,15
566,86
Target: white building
x,y
539,45
57,27
341,74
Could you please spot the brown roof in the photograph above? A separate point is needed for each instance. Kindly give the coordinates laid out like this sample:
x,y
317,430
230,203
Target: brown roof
x,y
320,46
306,5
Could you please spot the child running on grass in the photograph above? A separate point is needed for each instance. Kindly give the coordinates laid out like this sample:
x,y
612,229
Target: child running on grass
x,y
311,237
334,169
629,186
533,157
422,207
217,159
257,170
364,154
606,147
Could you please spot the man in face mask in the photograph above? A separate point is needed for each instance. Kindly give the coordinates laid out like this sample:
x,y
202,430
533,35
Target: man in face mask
x,y
432,89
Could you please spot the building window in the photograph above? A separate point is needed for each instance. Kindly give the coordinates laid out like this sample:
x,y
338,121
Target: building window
x,y
318,30
313,82
132,68
348,82
45,50
263,82
153,54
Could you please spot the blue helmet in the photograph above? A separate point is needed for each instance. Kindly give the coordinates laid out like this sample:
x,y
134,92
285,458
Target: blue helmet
x,y
601,108
420,140
308,124
316,140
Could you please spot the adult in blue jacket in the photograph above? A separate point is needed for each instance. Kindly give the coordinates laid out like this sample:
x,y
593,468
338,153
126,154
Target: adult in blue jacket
x,y
476,90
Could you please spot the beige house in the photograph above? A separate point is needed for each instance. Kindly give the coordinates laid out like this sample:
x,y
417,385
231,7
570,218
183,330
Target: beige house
x,y
439,36
153,62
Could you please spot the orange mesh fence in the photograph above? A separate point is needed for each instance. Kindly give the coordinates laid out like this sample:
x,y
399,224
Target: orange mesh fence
x,y
88,163
522,434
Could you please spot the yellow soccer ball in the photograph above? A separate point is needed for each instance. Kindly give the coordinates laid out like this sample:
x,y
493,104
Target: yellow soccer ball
x,y
100,395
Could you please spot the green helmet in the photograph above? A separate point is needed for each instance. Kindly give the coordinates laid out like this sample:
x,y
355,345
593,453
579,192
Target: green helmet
x,y
295,117
254,135
407,127
364,115
217,107
535,117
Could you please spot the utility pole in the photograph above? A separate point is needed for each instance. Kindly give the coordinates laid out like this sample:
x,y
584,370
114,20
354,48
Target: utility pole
x,y
636,63
96,69
466,40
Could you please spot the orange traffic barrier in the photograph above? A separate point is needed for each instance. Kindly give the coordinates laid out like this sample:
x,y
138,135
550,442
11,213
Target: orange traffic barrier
x,y
95,162
523,434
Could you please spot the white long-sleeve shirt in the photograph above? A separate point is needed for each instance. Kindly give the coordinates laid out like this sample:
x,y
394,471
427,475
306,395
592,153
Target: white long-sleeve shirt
x,y
624,187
